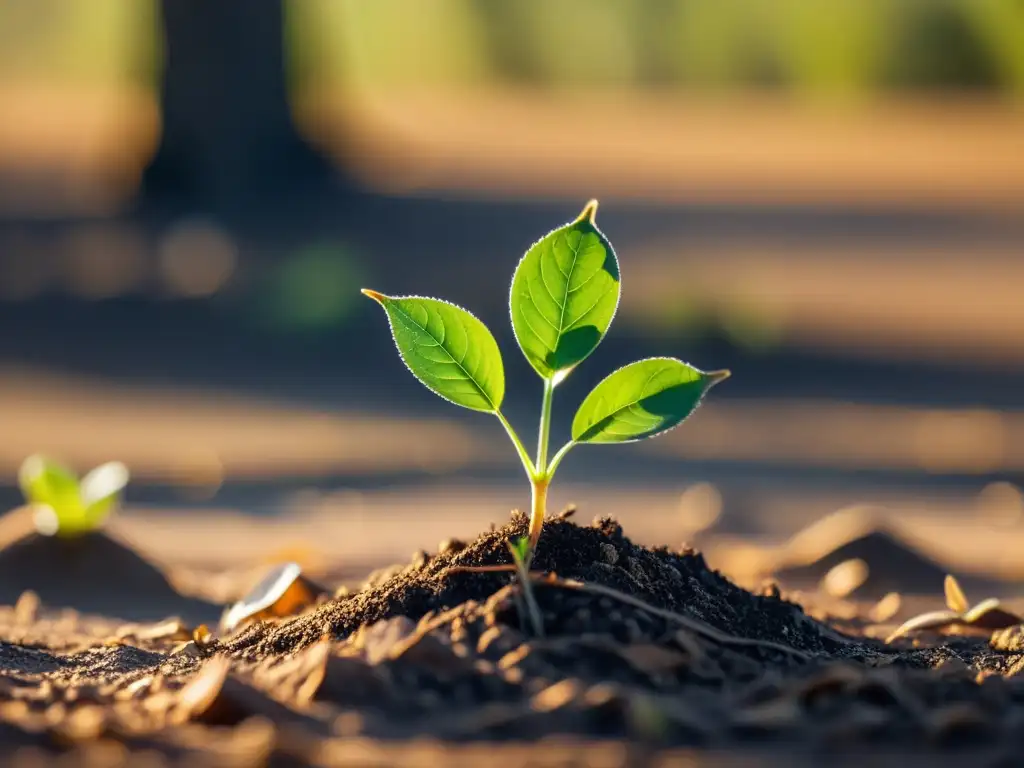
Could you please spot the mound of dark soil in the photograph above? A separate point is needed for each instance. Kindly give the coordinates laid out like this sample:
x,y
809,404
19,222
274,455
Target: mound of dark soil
x,y
93,574
641,652
598,554
894,565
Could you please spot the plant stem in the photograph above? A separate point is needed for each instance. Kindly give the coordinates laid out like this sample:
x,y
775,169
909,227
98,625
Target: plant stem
x,y
523,455
557,459
538,508
544,432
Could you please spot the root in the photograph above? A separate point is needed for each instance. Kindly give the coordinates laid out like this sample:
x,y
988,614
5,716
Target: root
x,y
694,625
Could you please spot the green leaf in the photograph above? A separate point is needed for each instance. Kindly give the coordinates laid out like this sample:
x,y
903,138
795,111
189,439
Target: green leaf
x,y
447,349
641,400
61,503
520,549
44,481
100,491
564,295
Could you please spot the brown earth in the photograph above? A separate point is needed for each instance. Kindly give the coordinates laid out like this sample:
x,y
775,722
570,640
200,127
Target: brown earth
x,y
647,657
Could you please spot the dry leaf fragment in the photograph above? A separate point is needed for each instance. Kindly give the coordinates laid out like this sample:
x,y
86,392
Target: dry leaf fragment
x,y
986,615
930,620
283,591
989,614
203,638
956,600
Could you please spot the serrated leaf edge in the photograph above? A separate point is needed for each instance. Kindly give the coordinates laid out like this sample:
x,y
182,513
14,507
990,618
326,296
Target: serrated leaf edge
x,y
719,376
589,215
381,297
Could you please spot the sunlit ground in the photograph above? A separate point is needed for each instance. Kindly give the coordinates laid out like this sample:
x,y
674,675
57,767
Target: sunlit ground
x,y
347,533
667,148
205,438
200,440
90,142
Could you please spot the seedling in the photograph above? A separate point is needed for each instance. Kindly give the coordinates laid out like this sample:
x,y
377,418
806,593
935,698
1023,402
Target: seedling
x,y
988,615
520,549
64,505
564,294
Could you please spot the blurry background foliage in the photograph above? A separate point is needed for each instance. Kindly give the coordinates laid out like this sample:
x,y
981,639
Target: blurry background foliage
x,y
844,48
813,47
812,50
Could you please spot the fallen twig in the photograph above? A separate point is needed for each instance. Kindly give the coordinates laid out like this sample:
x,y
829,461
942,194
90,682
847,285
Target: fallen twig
x,y
695,625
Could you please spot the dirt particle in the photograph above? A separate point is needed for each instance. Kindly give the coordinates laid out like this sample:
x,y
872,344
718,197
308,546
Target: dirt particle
x,y
377,640
609,554
450,546
556,696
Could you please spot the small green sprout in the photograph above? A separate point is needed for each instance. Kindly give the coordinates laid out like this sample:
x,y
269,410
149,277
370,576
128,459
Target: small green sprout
x,y
520,549
64,505
564,294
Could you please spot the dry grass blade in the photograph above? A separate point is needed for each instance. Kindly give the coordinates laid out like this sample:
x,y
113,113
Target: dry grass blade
x,y
931,620
956,600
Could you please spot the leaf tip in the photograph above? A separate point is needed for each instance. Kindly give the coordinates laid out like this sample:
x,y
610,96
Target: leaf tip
x,y
32,467
375,295
717,377
588,213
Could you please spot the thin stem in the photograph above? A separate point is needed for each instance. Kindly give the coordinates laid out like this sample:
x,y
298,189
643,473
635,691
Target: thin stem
x,y
544,432
538,508
523,455
557,459
532,609
694,625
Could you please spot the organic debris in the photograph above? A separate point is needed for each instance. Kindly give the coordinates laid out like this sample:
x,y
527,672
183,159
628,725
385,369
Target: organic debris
x,y
284,591
988,615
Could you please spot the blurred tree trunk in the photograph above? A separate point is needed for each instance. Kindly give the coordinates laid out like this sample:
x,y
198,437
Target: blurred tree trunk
x,y
228,137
